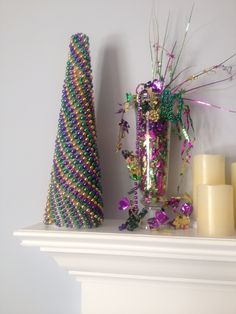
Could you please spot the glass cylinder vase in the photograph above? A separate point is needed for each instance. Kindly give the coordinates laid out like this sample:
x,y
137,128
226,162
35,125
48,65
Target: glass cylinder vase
x,y
153,134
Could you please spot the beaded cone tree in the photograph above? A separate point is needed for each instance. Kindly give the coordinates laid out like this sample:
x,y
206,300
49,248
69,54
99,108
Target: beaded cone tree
x,y
75,194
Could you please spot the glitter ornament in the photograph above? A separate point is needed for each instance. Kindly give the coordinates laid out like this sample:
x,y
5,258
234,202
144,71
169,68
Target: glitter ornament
x,y
75,193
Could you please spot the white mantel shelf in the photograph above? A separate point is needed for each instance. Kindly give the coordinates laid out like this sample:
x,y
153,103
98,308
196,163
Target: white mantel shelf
x,y
139,267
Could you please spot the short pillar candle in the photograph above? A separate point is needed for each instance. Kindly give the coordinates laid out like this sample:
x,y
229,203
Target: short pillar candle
x,y
215,210
207,169
233,182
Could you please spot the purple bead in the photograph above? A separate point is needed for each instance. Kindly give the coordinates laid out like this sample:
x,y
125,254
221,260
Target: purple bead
x,y
157,86
174,203
160,219
122,227
161,216
187,209
153,223
124,204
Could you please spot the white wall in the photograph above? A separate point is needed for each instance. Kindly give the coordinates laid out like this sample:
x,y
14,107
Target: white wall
x,y
34,37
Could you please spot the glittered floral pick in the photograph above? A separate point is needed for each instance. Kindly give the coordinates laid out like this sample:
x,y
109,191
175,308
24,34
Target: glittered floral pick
x,y
75,194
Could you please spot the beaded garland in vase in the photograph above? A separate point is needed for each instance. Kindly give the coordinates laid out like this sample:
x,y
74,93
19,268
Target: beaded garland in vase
x,y
75,193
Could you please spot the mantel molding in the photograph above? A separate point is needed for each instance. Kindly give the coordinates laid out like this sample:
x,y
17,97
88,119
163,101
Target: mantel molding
x,y
105,254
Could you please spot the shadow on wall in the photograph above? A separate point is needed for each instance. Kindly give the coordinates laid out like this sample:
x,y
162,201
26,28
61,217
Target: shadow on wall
x,y
204,134
109,93
211,137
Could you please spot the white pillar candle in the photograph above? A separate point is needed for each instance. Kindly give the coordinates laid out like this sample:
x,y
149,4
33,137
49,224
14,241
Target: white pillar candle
x,y
233,182
215,210
207,169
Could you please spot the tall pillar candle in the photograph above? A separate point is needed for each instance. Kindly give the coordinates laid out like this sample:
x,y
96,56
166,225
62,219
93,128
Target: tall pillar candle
x,y
207,169
233,182
215,210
